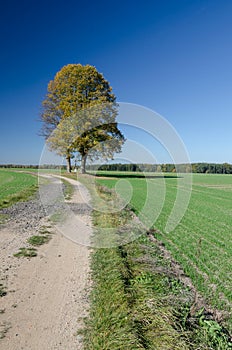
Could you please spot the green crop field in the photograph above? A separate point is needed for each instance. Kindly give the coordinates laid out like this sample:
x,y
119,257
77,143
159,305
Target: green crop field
x,y
15,186
201,242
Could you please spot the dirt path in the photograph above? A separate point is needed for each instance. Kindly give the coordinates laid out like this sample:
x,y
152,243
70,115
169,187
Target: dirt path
x,y
46,295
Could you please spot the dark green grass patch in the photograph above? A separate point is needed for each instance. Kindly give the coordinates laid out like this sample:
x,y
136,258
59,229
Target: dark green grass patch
x,y
15,187
38,240
26,252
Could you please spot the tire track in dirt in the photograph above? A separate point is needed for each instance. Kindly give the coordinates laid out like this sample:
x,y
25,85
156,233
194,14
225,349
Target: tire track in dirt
x,y
47,295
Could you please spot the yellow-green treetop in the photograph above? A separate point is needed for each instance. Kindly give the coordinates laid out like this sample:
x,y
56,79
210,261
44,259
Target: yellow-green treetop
x,y
79,114
74,87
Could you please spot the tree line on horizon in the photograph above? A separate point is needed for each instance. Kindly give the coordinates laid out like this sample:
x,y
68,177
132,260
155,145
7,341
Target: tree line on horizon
x,y
202,168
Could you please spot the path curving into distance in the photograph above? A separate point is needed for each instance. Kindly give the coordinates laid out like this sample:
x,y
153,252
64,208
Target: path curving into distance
x,y
46,295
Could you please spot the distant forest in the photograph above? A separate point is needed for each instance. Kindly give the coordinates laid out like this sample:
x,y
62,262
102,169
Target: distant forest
x,y
203,168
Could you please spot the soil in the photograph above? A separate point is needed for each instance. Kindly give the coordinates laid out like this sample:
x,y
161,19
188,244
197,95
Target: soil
x,y
47,295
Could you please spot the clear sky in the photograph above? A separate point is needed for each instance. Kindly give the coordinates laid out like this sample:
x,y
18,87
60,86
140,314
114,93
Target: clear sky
x,y
172,56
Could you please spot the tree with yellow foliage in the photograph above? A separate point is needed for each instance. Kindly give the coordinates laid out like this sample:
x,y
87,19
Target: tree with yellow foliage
x,y
79,115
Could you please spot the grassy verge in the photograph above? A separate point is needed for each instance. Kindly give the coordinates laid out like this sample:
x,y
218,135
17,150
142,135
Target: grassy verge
x,y
137,301
15,187
21,196
201,242
68,189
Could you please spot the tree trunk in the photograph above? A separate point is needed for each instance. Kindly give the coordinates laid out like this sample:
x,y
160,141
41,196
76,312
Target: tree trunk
x,y
68,161
83,164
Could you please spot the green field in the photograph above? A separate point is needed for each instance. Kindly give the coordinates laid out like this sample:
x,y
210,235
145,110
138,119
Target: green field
x,y
15,186
201,242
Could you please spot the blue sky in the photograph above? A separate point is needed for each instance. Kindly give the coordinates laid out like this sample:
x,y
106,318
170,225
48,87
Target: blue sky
x,y
172,56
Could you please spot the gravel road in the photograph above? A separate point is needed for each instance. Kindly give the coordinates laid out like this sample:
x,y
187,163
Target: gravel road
x,y
47,295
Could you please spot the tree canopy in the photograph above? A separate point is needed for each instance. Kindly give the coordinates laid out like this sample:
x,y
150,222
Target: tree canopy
x,y
79,115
